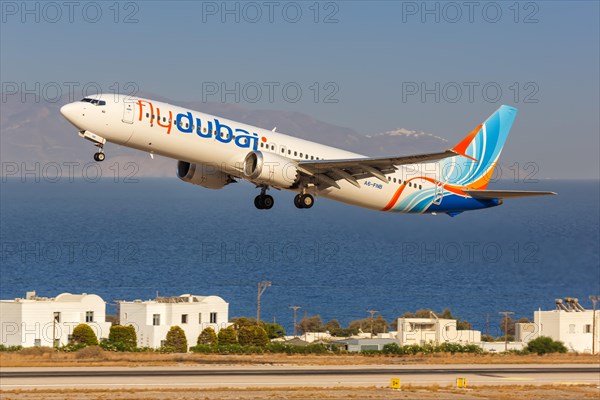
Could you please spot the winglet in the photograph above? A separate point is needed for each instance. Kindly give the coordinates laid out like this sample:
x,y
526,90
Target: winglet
x,y
462,146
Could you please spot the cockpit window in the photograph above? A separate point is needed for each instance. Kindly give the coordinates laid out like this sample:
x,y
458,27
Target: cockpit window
x,y
94,101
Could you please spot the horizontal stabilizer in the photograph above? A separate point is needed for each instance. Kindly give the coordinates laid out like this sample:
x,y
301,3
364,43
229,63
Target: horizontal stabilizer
x,y
504,194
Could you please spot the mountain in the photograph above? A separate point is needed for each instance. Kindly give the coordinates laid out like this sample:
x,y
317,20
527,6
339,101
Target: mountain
x,y
33,135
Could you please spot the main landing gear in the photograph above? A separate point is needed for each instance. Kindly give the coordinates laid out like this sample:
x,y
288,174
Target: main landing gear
x,y
304,200
264,201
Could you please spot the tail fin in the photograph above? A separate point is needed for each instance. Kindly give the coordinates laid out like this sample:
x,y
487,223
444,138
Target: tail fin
x,y
479,151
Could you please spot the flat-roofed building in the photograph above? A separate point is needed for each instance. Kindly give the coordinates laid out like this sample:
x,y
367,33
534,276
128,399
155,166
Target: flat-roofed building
x,y
152,319
433,330
49,321
569,323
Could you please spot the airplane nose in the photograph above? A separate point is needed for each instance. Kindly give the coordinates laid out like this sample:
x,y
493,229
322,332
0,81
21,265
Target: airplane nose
x,y
69,111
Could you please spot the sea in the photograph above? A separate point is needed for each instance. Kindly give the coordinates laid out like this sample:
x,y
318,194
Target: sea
x,y
127,239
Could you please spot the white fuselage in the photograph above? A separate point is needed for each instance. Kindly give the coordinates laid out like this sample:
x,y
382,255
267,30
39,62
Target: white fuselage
x,y
134,123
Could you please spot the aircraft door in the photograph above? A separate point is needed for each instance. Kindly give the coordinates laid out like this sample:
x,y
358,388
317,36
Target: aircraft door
x,y
128,112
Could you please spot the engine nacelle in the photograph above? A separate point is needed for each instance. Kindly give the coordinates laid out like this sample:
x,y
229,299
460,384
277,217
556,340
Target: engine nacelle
x,y
203,175
270,169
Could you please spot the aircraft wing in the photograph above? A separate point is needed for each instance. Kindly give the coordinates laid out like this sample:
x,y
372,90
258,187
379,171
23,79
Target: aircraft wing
x,y
328,172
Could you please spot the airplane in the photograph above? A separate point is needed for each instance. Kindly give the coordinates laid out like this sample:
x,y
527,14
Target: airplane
x,y
214,152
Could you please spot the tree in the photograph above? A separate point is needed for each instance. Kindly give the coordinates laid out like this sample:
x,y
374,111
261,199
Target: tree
x,y
253,336
123,336
207,336
246,335
310,324
84,334
380,325
273,330
239,322
511,324
227,336
334,328
260,337
176,340
544,345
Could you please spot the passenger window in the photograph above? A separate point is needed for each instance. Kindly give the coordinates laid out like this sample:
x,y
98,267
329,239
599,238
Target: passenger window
x,y
147,115
394,180
272,147
312,157
295,153
300,155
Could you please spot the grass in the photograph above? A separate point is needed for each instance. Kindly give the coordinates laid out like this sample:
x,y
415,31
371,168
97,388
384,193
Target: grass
x,y
96,357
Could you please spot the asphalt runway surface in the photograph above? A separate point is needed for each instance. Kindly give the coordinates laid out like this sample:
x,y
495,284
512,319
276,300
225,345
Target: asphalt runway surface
x,y
274,376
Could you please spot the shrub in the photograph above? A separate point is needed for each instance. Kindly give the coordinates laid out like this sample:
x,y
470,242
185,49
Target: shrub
x,y
203,348
72,347
227,336
176,341
84,334
544,345
273,330
207,337
36,351
10,348
260,337
253,336
94,352
122,338
245,335
391,348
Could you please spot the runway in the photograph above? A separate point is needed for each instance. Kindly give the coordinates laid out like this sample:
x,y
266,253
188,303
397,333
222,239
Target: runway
x,y
274,376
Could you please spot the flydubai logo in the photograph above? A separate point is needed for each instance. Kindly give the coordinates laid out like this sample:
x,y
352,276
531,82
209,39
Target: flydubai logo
x,y
189,124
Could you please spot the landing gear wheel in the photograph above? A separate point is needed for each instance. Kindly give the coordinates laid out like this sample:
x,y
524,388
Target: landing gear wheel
x,y
258,202
297,201
304,201
307,200
267,202
99,156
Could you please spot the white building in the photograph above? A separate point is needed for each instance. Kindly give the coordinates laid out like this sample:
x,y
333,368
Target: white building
x,y
569,323
43,321
152,319
433,330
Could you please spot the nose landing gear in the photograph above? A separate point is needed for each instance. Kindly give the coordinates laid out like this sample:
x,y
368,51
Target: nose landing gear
x,y
99,156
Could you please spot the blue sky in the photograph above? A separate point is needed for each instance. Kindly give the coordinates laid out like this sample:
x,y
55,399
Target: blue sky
x,y
368,58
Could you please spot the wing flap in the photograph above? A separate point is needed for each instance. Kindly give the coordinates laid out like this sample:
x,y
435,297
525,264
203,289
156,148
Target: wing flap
x,y
504,194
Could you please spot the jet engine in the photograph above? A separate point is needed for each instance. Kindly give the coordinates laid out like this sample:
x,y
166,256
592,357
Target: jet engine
x,y
203,175
270,169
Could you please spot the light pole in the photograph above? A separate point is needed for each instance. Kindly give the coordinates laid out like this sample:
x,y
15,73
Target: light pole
x,y
262,286
506,314
372,312
295,308
594,300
